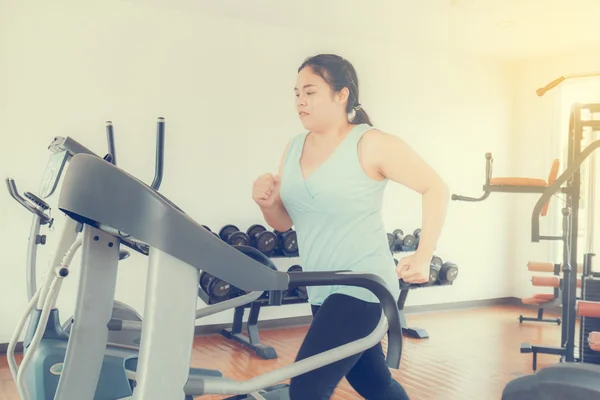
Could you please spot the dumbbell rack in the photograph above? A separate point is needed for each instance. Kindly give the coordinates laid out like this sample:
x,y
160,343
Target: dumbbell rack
x,y
251,338
252,341
273,245
416,333
434,281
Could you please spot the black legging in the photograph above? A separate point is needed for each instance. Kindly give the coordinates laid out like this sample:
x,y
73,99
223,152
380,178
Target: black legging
x,y
339,320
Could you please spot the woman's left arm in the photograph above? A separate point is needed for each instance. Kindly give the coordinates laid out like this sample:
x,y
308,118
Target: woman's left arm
x,y
394,159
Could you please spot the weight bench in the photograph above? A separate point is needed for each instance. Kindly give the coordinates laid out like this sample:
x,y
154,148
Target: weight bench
x,y
525,185
513,184
545,300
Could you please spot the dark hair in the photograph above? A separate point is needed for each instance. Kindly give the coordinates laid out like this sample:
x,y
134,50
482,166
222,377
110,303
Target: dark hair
x,y
339,73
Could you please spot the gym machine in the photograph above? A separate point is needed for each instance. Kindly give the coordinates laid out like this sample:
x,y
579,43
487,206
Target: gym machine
x,y
544,300
575,381
571,176
63,149
123,315
178,248
46,341
571,190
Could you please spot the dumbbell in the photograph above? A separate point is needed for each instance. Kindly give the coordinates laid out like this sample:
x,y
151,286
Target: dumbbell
x,y
233,236
403,242
217,289
262,239
204,280
208,229
448,272
435,266
391,239
287,242
417,235
299,291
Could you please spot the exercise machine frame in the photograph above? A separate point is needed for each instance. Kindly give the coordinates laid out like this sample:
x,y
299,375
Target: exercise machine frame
x,y
179,248
570,214
127,211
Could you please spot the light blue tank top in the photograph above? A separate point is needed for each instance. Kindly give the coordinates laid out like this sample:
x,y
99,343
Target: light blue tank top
x,y
337,217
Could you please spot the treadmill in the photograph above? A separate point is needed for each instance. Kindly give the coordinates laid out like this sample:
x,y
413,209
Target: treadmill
x,y
110,207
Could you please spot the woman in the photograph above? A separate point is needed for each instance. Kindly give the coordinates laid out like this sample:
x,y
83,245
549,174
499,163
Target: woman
x,y
330,187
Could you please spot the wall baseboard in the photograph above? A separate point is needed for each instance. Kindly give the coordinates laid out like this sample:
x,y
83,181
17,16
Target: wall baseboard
x,y
4,348
280,323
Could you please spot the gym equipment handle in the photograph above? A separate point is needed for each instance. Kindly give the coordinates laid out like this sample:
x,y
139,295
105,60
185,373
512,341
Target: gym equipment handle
x,y
488,176
549,192
368,281
541,91
160,153
12,189
110,139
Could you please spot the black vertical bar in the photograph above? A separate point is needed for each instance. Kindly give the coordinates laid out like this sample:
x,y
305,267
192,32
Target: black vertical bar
x,y
587,264
160,153
565,283
573,199
252,324
110,139
238,319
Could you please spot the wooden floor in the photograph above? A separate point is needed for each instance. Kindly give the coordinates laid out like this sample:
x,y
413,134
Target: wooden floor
x,y
470,354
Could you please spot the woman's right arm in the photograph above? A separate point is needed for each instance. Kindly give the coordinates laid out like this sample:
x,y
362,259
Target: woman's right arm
x,y
275,213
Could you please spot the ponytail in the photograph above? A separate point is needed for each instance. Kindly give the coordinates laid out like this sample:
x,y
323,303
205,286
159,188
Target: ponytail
x,y
361,117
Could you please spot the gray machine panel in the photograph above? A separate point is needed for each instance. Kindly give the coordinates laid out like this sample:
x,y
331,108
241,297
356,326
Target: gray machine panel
x,y
54,169
70,145
63,148
98,193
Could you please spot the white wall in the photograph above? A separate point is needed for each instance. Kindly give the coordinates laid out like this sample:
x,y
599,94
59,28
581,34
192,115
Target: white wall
x,y
540,131
225,89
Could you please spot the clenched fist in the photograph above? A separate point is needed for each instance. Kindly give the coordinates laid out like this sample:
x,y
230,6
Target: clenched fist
x,y
265,191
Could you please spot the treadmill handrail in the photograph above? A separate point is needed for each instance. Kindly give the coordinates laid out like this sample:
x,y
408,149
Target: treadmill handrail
x,y
110,141
160,154
375,285
201,385
14,193
555,187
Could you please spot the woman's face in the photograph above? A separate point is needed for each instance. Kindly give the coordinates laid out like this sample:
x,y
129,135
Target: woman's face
x,y
317,105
